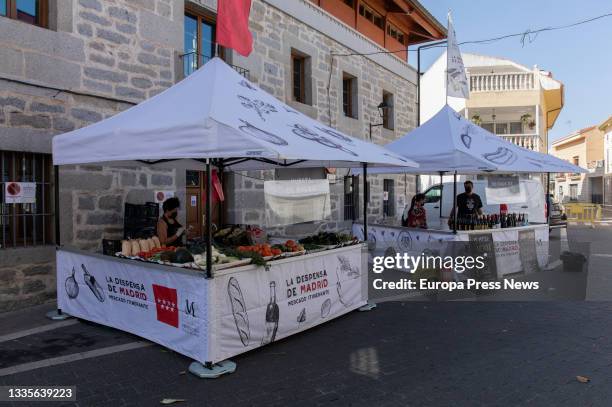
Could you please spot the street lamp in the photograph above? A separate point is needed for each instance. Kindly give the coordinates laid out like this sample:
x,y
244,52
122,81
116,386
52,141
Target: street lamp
x,y
382,109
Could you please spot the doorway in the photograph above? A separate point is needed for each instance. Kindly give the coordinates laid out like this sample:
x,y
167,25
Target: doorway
x,y
196,202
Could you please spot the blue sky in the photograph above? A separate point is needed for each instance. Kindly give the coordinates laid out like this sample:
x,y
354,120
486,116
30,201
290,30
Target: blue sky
x,y
580,57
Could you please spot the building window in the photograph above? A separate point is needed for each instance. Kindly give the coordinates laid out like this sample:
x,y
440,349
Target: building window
x,y
199,42
490,127
433,194
27,223
501,128
561,192
573,192
388,112
193,178
388,198
351,197
33,12
516,128
372,16
576,160
350,3
396,33
300,81
349,95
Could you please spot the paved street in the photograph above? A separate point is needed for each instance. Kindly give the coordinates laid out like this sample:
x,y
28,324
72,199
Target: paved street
x,y
401,354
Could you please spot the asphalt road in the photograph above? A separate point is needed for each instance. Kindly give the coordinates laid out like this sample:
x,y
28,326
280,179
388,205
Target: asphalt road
x,y
401,354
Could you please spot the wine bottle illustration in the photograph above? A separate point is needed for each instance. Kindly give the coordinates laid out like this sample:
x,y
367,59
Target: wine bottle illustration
x,y
272,316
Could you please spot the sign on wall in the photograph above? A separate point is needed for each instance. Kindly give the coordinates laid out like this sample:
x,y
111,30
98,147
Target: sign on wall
x,y
161,196
19,192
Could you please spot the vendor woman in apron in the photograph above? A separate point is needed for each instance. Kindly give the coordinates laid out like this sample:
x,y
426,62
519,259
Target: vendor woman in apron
x,y
169,230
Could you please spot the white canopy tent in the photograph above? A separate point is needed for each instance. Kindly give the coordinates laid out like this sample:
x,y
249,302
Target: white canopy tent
x,y
218,116
217,113
449,143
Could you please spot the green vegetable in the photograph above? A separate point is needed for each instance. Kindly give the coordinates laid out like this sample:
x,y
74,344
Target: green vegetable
x,y
183,256
327,238
256,258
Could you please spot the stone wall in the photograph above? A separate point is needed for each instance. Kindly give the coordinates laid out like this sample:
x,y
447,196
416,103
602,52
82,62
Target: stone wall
x,y
27,277
123,49
92,198
98,58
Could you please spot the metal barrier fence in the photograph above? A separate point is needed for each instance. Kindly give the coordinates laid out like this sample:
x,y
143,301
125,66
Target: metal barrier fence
x,y
582,212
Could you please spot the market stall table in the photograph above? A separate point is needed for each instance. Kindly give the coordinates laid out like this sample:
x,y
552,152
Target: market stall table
x,y
448,143
220,118
210,320
508,250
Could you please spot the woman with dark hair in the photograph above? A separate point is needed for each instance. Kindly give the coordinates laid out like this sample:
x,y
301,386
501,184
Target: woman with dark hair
x,y
416,216
169,230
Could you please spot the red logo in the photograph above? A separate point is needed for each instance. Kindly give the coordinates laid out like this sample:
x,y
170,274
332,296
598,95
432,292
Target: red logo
x,y
166,304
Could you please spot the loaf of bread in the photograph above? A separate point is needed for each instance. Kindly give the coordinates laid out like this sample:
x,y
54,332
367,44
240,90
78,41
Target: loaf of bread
x,y
239,310
135,247
126,248
156,241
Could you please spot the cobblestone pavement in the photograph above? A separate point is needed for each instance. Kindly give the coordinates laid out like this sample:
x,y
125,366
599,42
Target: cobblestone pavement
x,y
401,354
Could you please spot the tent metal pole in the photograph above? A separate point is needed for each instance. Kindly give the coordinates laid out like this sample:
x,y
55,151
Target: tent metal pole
x,y
365,202
441,193
56,200
548,200
221,206
208,228
455,202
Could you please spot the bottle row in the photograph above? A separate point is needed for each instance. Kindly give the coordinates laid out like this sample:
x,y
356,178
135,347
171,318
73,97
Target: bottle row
x,y
494,221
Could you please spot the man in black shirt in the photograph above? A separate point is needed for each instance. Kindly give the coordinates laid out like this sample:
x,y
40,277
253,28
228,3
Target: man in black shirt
x,y
468,203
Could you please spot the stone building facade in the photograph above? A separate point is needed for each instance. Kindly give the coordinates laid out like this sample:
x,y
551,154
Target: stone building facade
x,y
97,58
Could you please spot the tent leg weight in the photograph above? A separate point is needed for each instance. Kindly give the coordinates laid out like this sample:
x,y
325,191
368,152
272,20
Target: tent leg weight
x,y
368,307
212,371
57,315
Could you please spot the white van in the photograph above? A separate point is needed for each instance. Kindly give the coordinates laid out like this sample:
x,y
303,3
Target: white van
x,y
526,197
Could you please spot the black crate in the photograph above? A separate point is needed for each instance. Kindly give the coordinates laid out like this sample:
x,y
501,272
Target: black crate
x,y
110,247
140,221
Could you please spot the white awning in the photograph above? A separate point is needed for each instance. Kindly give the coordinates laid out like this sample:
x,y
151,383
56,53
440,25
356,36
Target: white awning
x,y
448,142
217,113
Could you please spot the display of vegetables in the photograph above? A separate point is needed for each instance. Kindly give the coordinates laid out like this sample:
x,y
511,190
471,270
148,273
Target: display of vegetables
x,y
328,239
233,245
290,246
265,250
232,236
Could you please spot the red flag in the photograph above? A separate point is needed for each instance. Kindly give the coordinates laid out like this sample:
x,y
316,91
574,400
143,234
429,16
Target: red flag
x,y
233,25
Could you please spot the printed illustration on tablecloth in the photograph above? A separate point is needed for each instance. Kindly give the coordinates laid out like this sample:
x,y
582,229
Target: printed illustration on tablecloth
x,y
239,310
93,284
71,286
527,251
272,316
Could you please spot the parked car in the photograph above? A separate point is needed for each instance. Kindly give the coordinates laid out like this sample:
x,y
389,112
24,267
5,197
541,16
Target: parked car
x,y
558,217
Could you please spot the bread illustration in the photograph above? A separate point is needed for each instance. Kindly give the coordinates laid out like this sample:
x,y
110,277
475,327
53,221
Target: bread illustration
x,y
239,310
